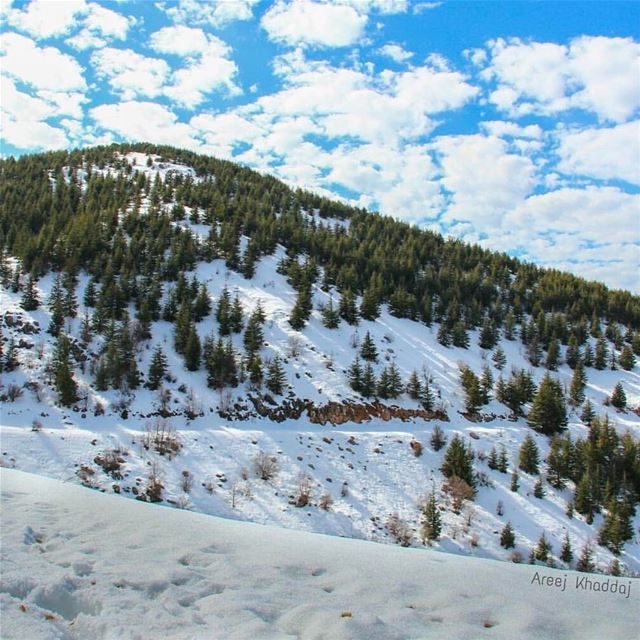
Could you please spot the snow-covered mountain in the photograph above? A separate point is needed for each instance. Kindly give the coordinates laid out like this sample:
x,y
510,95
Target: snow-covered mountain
x,y
343,464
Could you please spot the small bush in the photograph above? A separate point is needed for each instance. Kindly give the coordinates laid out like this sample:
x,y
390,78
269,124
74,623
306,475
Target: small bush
x,y
265,466
303,494
325,501
161,437
187,481
416,447
13,392
36,425
399,530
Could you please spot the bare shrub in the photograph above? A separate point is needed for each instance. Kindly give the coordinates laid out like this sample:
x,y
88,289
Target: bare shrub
x,y
154,485
294,346
416,447
192,406
13,392
265,466
303,492
183,502
98,410
459,491
225,403
326,501
516,557
399,530
187,481
86,474
164,398
110,461
36,425
160,436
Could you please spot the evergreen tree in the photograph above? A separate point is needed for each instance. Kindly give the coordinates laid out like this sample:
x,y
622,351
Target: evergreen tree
x,y
330,316
587,355
431,521
414,386
583,497
534,351
56,306
615,530
488,335
503,462
585,561
543,549
90,294
157,369
355,376
619,397
499,359
553,355
369,382
236,316
444,335
370,305
472,390
302,308
11,358
514,481
192,350
254,371
458,461
566,553
538,489
548,413
557,468
459,335
529,456
70,303
486,384
588,414
348,309
62,371
253,335
426,396
627,359
601,355
438,439
223,312
202,304
30,300
509,325
276,377
507,536
578,384
368,349
492,459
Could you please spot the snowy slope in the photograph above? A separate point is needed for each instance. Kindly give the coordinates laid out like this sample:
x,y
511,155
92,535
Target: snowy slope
x,y
80,565
373,461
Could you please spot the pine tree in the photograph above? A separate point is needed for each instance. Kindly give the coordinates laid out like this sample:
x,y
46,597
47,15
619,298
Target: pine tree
x,y
471,386
30,300
70,303
578,384
66,386
585,561
488,335
369,383
302,308
459,335
507,536
89,299
492,459
498,358
514,481
202,304
553,355
444,335
370,305
431,521
627,359
253,335
192,350
236,316
458,461
556,464
368,349
619,397
355,376
601,355
529,456
223,312
157,369
587,355
426,396
566,553
11,358
583,497
486,384
534,351
588,414
548,413
438,439
538,489
509,325
543,549
56,306
254,371
503,462
276,377
348,309
612,534
414,386
573,352
330,316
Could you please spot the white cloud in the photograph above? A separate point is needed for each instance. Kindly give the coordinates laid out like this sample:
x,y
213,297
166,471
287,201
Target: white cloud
x,y
606,154
484,179
179,40
144,121
302,22
106,22
395,52
44,19
597,74
16,104
24,134
212,71
224,132
501,129
40,67
215,13
85,39
130,73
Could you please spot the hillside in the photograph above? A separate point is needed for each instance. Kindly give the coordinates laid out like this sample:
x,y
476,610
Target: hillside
x,y
79,565
174,325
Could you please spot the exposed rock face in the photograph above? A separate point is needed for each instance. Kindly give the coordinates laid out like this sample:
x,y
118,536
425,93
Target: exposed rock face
x,y
341,412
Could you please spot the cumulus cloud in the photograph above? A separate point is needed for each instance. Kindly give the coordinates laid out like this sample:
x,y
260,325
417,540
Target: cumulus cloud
x,y
597,74
607,154
302,22
215,13
179,40
143,121
502,129
129,73
395,52
40,67
44,19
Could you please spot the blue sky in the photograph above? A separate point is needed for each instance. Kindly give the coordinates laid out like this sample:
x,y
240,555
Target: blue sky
x,y
511,124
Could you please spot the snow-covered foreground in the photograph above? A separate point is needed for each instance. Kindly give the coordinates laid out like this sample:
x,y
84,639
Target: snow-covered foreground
x,y
79,564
